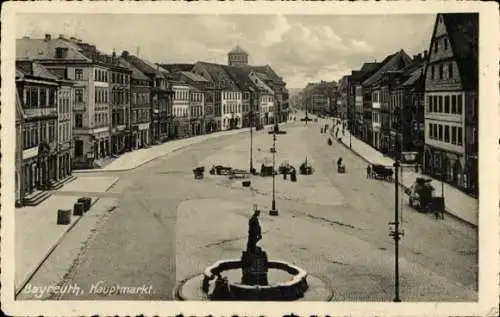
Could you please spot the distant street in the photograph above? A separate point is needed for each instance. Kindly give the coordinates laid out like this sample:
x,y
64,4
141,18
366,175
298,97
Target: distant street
x,y
168,226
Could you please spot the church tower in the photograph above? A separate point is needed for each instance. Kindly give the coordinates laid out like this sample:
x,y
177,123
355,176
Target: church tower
x,y
237,56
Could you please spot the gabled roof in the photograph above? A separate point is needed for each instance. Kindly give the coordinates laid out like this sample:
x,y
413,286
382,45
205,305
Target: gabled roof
x,y
30,68
241,78
392,62
148,68
462,29
216,72
136,73
415,75
238,50
267,70
369,67
41,49
194,77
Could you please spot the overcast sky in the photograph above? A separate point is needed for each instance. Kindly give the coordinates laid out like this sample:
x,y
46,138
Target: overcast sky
x,y
300,48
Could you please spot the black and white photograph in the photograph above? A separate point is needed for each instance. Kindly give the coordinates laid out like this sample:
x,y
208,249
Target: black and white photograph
x,y
188,160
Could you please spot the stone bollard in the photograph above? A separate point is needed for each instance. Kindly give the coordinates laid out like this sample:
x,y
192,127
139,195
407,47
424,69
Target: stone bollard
x,y
86,202
64,216
78,209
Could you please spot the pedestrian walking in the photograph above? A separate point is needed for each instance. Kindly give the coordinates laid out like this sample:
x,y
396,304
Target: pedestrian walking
x,y
369,171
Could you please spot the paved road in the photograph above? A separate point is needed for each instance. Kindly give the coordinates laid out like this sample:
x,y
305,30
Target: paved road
x,y
167,226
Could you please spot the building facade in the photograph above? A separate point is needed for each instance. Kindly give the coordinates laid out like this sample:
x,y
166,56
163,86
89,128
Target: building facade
x,y
65,129
196,111
140,107
181,109
451,102
38,91
232,106
119,100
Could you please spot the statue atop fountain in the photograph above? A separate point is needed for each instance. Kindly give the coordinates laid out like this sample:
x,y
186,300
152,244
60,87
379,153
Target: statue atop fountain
x,y
254,260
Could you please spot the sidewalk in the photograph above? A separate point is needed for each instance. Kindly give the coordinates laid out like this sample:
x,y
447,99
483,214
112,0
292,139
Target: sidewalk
x,y
36,230
457,203
140,157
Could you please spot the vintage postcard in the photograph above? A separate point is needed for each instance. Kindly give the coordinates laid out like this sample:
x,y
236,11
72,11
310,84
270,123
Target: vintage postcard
x,y
250,159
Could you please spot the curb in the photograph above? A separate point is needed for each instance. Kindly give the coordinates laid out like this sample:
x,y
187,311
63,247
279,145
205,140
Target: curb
x,y
39,264
447,211
156,157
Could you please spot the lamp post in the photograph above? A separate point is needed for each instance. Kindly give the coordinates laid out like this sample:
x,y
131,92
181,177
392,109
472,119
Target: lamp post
x,y
396,234
273,211
251,141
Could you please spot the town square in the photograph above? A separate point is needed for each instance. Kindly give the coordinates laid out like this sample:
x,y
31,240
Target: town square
x,y
290,158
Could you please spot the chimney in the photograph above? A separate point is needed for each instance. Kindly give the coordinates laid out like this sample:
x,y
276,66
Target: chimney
x,y
125,54
47,37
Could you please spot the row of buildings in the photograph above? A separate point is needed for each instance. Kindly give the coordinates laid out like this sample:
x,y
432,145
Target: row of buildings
x,y
426,103
78,107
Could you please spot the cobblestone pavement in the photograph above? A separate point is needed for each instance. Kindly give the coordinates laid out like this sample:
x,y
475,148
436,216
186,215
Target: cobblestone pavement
x,y
167,226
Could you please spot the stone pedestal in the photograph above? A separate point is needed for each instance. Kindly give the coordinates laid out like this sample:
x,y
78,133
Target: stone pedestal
x,y
254,267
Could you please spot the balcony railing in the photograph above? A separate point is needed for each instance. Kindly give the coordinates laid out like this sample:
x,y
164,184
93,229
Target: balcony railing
x,y
40,112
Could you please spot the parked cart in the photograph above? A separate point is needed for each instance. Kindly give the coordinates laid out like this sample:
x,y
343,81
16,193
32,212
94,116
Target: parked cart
x,y
198,172
382,172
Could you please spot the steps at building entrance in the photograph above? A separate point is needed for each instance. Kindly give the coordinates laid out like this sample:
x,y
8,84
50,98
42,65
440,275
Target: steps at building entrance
x,y
54,185
36,198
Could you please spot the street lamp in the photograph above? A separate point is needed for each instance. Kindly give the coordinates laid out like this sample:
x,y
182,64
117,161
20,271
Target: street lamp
x,y
251,141
273,211
396,234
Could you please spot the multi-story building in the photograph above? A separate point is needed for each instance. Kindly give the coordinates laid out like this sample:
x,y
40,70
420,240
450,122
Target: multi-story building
x,y
180,109
119,100
161,97
356,88
196,113
451,101
207,88
232,104
264,101
19,180
221,84
65,130
343,102
37,89
374,95
86,67
140,106
250,94
413,110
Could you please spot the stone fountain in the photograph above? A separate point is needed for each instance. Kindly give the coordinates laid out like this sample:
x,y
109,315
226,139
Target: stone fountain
x,y
253,278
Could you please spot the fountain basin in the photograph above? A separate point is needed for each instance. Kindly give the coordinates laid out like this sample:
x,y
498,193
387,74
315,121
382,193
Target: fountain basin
x,y
287,283
286,290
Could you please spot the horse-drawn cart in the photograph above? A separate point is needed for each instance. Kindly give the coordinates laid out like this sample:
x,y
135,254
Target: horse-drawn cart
x,y
198,172
382,172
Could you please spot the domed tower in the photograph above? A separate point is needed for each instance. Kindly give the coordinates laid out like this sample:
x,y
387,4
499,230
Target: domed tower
x,y
237,56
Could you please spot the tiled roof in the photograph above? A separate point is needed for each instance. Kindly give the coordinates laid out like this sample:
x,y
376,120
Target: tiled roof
x,y
194,77
238,50
216,72
415,75
34,69
241,77
41,49
370,67
145,67
392,62
268,70
463,33
136,73
177,67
